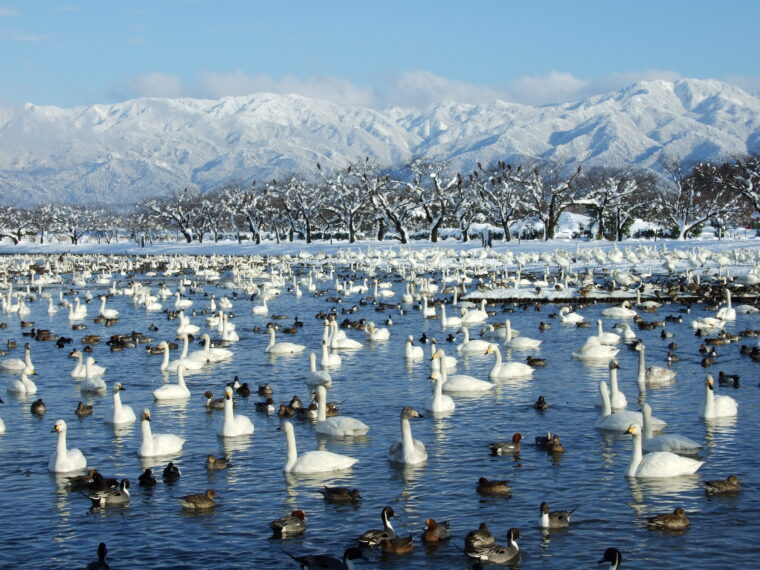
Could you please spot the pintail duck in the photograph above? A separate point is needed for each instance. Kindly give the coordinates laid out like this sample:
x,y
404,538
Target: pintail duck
x,y
554,519
111,497
373,537
38,407
397,545
171,472
289,525
477,539
493,487
199,502
214,463
613,556
435,531
100,563
212,403
722,486
669,521
83,410
505,447
341,494
541,404
328,562
497,554
146,478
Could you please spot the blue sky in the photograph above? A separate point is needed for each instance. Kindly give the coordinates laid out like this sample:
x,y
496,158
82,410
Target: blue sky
x,y
408,53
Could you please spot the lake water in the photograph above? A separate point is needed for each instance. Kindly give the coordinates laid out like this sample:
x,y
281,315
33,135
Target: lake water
x,y
45,525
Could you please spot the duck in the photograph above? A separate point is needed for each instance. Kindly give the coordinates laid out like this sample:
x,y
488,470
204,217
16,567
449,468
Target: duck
x,y
311,461
676,520
214,463
506,447
290,525
475,346
338,426
328,562
282,347
100,563
725,379
435,532
213,403
397,545
617,421
158,444
84,410
613,556
341,495
204,502
373,537
317,377
112,497
459,382
540,404
178,391
120,414
439,402
535,361
232,424
477,539
267,406
38,407
407,451
17,364
652,376
493,487
520,342
412,352
666,442
496,554
506,369
65,460
658,463
554,519
729,485
146,478
22,385
264,390
171,472
717,406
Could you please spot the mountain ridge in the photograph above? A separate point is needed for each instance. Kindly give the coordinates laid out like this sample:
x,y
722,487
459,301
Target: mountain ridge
x,y
123,152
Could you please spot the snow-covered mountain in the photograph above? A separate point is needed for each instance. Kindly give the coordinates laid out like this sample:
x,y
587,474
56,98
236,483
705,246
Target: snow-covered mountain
x,y
123,152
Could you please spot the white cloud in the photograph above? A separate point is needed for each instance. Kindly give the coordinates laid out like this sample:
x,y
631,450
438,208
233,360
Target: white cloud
x,y
415,89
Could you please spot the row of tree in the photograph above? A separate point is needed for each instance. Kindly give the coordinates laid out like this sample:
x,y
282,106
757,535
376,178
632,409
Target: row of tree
x,y
421,199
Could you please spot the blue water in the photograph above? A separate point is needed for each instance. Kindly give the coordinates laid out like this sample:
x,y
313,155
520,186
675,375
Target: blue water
x,y
45,525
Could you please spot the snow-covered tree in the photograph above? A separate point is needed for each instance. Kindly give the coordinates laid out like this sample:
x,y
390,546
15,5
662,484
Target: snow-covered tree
x,y
15,223
742,175
346,196
438,191
300,202
177,211
547,191
499,187
74,221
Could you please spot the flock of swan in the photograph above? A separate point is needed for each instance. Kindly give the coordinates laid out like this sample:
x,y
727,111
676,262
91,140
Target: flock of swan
x,y
476,333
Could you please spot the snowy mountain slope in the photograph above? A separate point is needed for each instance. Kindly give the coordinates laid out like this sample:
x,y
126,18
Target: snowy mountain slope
x,y
123,152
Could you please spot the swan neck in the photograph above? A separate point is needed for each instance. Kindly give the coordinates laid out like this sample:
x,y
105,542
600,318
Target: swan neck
x,y
606,405
642,367
116,402
61,445
646,414
407,442
292,449
181,377
147,438
185,347
635,455
709,402
321,406
228,413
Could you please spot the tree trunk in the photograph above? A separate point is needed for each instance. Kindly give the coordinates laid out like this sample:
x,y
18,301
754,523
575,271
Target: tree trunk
x,y
505,228
380,229
434,230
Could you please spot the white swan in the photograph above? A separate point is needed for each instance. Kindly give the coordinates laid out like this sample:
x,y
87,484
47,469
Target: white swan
x,y
666,442
185,326
727,313
22,385
338,426
427,312
435,363
180,304
658,463
178,391
625,331
317,377
92,370
708,323
92,383
595,351
77,311
154,445
618,401
183,360
569,317
439,402
521,342
282,347
64,460
342,342
210,353
717,406
623,311
474,346
608,338
18,364
78,371
653,375
232,424
447,321
407,450
261,309
617,421
475,316
107,313
229,334
459,382
312,461
119,414
330,359
506,369
412,352
374,333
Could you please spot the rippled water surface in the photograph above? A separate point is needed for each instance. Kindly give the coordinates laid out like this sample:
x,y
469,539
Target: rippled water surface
x,y
46,525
